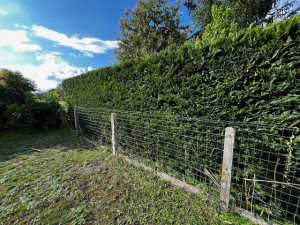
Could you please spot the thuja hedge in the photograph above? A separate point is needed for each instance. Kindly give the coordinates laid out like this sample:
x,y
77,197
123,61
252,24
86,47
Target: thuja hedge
x,y
249,76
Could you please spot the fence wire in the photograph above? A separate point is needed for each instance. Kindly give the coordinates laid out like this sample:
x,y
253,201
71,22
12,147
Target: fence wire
x,y
266,172
94,124
68,119
266,161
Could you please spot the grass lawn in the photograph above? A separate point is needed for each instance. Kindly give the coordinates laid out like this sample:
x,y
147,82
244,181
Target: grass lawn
x,y
51,177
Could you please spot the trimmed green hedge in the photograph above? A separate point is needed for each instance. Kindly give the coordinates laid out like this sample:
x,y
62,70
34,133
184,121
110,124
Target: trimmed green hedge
x,y
249,76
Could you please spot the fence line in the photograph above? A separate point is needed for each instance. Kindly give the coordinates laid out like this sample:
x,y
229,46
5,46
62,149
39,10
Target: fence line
x,y
263,180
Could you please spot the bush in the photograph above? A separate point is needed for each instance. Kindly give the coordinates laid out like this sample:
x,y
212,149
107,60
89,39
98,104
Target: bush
x,y
14,89
34,115
252,75
20,109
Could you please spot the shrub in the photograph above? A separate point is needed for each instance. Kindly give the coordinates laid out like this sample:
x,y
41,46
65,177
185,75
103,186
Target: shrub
x,y
14,89
252,75
34,115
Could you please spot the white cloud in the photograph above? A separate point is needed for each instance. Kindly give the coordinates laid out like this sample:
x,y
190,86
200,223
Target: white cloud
x,y
90,68
74,55
24,27
88,54
3,12
47,56
85,45
33,72
49,72
53,65
17,40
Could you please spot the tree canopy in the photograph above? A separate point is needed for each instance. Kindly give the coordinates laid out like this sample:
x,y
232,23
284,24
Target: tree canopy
x,y
14,87
150,27
221,25
243,12
154,25
20,109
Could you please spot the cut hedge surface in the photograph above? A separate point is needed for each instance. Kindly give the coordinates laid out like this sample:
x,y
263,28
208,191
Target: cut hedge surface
x,y
252,75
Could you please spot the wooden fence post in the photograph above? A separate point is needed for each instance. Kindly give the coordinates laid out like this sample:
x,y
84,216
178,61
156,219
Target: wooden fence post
x,y
227,167
114,134
76,122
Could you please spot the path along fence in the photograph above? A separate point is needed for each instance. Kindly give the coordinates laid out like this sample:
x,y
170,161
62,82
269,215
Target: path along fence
x,y
252,168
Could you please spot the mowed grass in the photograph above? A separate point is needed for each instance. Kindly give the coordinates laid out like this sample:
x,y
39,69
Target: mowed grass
x,y
52,177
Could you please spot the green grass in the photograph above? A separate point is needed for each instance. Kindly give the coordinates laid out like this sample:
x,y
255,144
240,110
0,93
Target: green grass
x,y
52,177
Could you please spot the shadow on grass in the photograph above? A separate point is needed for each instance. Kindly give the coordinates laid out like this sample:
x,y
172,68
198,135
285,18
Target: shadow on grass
x,y
19,142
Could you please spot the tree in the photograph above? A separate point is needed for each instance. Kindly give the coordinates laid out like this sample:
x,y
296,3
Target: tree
x,y
14,89
150,27
243,12
221,25
280,12
200,11
54,94
19,108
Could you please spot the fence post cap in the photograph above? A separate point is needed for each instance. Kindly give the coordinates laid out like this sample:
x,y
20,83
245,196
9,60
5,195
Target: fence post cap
x,y
230,130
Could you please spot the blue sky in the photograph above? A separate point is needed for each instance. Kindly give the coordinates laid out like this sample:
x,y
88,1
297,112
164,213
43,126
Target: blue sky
x,y
52,40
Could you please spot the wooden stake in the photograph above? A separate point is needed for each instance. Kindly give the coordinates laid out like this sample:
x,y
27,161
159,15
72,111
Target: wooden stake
x,y
114,134
76,122
227,166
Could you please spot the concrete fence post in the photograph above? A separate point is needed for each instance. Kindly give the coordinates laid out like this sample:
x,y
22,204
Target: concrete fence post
x,y
76,122
114,134
227,167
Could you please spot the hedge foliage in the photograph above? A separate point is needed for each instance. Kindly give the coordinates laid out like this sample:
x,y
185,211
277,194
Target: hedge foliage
x,y
252,75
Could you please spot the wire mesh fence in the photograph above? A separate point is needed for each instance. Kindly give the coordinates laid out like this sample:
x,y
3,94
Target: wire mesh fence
x,y
187,149
266,159
94,124
266,172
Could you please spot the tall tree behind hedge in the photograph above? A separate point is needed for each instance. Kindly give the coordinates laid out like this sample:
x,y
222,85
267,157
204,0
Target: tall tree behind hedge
x,y
150,27
244,12
220,26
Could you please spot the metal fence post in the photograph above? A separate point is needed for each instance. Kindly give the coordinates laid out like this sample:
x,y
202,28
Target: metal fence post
x,y
227,167
114,134
76,122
